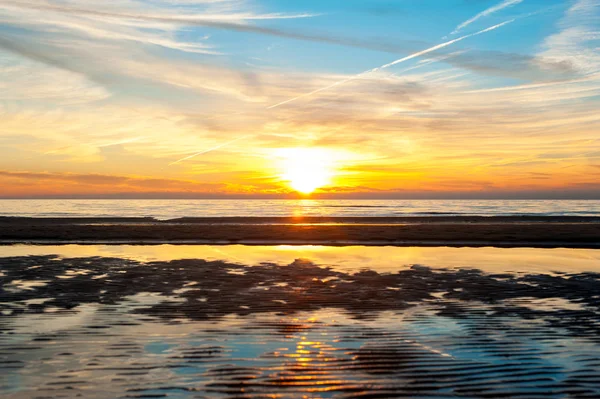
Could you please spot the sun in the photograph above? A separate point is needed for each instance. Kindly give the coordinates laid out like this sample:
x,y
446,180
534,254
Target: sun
x,y
306,169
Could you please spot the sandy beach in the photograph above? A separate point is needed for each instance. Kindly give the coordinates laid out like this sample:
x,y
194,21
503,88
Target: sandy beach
x,y
100,327
566,231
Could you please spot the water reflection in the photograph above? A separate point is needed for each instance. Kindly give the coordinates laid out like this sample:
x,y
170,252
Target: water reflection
x,y
347,258
196,328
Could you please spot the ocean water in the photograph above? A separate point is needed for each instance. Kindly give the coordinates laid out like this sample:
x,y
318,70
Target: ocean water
x,y
169,209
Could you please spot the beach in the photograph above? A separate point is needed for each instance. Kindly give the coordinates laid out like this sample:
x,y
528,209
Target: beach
x,y
287,307
99,322
507,231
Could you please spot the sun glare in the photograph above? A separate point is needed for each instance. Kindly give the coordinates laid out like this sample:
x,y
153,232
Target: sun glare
x,y
306,169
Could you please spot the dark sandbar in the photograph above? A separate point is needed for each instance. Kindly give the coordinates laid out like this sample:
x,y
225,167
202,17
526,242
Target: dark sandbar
x,y
509,231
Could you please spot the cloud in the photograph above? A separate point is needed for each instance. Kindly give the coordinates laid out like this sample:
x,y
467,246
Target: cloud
x,y
102,46
128,11
498,7
510,65
34,52
115,182
577,40
388,65
32,185
208,150
166,19
27,81
46,20
130,21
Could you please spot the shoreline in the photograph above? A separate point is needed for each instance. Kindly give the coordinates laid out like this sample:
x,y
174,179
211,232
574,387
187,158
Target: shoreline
x,y
468,231
450,244
19,220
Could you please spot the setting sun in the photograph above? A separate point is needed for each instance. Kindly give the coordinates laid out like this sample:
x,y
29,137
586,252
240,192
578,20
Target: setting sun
x,y
306,169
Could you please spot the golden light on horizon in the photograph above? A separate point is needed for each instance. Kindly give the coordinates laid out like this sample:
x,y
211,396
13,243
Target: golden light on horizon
x,y
306,169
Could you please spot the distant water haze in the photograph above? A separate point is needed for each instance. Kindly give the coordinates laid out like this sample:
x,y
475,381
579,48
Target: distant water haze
x,y
169,209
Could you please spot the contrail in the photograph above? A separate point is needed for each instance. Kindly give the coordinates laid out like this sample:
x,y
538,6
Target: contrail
x,y
587,78
209,150
485,13
398,61
124,141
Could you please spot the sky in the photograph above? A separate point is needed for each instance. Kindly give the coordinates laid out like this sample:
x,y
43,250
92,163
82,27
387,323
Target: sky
x,y
296,98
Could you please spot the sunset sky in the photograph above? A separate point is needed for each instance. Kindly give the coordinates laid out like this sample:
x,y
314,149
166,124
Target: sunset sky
x,y
267,98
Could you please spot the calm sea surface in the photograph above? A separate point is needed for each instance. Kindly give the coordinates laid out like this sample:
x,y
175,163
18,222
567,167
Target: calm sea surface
x,y
167,209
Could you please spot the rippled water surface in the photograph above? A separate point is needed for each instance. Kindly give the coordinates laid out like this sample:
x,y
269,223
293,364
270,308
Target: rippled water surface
x,y
298,322
169,209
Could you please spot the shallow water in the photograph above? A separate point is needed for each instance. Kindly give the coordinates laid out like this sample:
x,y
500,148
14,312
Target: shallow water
x,y
292,322
343,258
170,209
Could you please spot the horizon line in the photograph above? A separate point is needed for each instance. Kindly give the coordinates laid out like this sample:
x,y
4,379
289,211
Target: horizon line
x,y
593,197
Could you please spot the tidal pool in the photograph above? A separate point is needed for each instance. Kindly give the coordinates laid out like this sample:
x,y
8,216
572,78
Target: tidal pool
x,y
298,322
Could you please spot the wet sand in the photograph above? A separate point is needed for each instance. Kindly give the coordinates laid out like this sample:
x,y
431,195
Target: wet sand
x,y
100,327
452,231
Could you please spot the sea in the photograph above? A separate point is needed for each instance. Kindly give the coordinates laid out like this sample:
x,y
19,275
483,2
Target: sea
x,y
170,209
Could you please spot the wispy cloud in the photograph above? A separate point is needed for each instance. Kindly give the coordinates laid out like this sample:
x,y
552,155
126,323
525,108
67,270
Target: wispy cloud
x,y
132,20
208,150
498,7
577,41
97,41
26,81
135,15
79,182
385,66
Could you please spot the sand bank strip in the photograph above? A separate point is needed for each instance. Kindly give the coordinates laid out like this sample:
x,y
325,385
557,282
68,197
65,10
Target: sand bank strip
x,y
531,231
